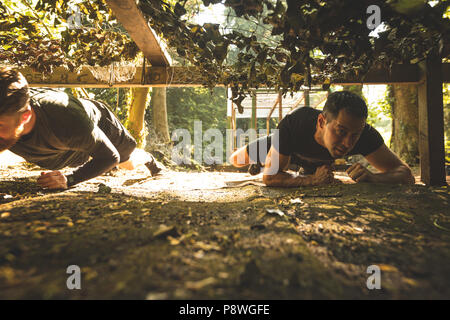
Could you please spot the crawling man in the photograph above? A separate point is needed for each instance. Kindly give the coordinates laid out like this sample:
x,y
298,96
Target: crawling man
x,y
55,130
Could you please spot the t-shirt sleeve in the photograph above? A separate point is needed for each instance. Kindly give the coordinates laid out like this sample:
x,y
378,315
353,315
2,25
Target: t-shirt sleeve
x,y
369,141
282,138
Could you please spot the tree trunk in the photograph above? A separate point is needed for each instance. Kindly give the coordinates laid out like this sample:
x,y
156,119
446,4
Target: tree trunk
x,y
136,114
159,107
405,123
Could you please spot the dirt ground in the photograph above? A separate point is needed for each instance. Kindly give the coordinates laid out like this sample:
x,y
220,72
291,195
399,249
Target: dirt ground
x,y
220,235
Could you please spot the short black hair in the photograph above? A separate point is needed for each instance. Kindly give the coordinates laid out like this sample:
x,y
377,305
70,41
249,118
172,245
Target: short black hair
x,y
349,101
14,93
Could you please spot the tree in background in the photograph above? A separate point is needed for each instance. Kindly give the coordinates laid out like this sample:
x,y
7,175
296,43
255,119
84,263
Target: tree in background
x,y
116,99
138,102
159,109
188,104
447,122
405,123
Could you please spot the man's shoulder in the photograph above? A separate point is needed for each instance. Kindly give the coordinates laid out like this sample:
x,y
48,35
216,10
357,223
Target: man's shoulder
x,y
301,117
61,111
369,141
303,111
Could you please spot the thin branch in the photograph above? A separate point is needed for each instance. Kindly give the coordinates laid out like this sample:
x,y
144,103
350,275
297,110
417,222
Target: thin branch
x,y
37,17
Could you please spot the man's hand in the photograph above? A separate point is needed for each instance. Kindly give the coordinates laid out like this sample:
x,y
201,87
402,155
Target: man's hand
x,y
359,173
52,180
323,175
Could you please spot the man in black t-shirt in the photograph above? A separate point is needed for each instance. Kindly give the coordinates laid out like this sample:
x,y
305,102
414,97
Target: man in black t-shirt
x,y
55,130
314,139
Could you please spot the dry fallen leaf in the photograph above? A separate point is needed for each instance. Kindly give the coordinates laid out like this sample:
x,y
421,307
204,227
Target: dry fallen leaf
x,y
207,246
164,231
387,268
5,214
173,241
275,212
121,213
197,285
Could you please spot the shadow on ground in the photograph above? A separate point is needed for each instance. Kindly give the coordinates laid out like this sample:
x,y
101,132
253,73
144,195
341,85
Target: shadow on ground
x,y
189,236
317,245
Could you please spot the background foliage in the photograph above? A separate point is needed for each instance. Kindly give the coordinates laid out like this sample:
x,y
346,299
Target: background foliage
x,y
296,43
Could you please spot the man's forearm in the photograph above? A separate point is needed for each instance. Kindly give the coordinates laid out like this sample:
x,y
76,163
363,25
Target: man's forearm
x,y
287,180
400,175
91,169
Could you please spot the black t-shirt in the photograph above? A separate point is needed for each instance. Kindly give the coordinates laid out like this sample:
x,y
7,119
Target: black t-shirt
x,y
296,138
70,131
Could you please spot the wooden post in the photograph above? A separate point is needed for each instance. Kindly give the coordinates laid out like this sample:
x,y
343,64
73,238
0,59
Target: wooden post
x,y
307,100
253,119
233,124
280,106
270,115
431,122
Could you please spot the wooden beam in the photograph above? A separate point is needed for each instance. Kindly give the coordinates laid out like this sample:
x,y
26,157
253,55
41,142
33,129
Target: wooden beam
x,y
431,122
401,73
183,76
137,26
153,77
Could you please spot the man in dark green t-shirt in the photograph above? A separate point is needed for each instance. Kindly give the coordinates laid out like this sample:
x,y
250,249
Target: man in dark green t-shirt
x,y
55,130
314,139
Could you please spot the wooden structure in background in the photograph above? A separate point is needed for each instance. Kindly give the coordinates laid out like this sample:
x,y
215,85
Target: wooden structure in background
x,y
258,106
190,76
428,75
431,123
151,77
128,13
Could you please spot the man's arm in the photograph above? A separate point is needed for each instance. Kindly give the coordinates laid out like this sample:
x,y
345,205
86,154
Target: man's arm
x,y
275,176
104,157
392,169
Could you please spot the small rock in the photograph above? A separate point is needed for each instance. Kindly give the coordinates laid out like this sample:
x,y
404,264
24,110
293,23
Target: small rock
x,y
103,189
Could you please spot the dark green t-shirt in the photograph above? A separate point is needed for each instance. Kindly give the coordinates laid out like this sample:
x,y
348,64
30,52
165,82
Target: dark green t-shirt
x,y
70,131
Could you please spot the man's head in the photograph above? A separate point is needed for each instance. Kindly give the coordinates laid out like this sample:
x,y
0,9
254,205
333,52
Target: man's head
x,y
14,106
341,123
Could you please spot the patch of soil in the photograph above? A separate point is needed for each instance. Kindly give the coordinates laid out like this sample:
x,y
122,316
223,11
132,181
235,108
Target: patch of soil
x,y
192,236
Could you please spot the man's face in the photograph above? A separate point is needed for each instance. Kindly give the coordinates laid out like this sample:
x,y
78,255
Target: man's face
x,y
11,127
341,134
